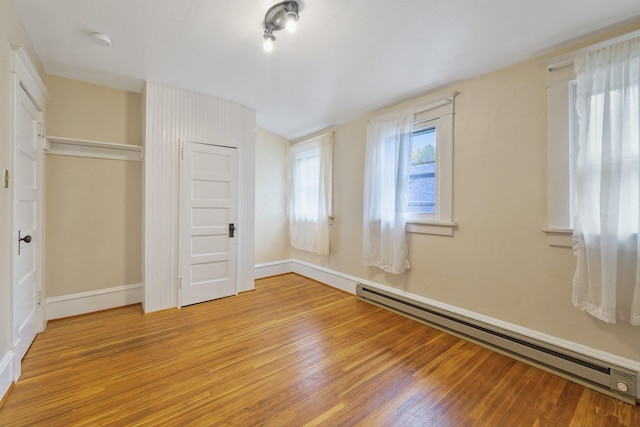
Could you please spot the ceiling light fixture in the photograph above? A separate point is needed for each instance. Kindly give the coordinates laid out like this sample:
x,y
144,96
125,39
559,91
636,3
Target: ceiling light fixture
x,y
279,16
101,39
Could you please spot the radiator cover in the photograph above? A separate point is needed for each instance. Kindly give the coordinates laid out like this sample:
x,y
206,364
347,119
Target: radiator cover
x,y
601,376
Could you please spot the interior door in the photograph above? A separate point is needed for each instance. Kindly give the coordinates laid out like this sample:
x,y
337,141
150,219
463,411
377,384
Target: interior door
x,y
208,191
26,233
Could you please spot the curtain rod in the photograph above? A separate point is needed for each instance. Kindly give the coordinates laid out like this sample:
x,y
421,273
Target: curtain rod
x,y
566,60
309,139
419,107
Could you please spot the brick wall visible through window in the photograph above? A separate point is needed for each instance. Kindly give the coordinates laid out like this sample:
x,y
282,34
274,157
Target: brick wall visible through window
x,y
422,172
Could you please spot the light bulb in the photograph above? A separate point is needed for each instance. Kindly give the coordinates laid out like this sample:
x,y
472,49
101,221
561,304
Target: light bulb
x,y
101,39
292,23
268,45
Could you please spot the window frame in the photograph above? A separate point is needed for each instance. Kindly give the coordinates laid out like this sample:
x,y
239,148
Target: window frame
x,y
559,227
325,153
561,136
437,112
423,129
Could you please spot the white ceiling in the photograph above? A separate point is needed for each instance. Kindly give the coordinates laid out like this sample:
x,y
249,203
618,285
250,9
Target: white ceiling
x,y
347,58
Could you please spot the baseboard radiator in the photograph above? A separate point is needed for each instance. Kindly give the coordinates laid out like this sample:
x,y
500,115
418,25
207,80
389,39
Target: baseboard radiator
x,y
612,380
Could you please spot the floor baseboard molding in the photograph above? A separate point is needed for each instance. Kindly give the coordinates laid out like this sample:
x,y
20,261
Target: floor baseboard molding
x,y
348,283
276,268
333,278
87,302
6,373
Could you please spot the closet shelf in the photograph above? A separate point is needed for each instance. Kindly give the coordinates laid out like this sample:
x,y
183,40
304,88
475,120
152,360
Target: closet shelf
x,y
95,149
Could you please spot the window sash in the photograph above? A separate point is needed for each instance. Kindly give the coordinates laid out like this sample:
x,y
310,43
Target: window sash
x,y
629,197
429,174
306,185
442,123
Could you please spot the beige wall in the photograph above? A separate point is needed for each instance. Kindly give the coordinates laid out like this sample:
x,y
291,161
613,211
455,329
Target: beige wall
x,y
271,230
92,224
498,263
87,111
11,32
92,206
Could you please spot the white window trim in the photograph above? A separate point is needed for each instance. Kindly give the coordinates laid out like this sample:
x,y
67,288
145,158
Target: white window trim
x,y
560,74
438,228
438,110
312,235
558,229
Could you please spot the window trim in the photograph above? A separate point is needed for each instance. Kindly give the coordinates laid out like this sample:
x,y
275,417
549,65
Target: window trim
x,y
438,111
559,77
320,222
438,228
559,225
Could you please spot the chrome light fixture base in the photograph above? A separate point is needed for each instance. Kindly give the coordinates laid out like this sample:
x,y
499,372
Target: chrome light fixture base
x,y
279,16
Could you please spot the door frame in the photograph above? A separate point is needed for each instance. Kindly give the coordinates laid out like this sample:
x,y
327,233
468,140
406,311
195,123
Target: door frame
x,y
181,202
26,77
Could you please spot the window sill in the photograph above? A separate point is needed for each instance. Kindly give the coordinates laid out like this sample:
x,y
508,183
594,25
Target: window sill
x,y
431,227
559,237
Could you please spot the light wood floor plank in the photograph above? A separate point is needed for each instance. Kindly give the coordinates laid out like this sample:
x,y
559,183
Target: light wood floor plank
x,y
292,353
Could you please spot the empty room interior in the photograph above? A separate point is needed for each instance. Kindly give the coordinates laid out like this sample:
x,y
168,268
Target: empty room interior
x,y
417,212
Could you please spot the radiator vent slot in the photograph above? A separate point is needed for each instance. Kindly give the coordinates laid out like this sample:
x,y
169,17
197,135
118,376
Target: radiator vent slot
x,y
612,380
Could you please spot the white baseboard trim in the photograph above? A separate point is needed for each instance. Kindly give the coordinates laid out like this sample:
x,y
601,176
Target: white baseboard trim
x,y
347,283
6,373
338,280
276,268
87,302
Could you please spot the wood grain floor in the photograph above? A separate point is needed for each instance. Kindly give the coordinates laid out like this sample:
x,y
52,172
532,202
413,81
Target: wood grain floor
x,y
292,353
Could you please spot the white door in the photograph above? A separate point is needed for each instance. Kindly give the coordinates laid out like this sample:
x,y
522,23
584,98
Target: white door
x,y
26,233
208,188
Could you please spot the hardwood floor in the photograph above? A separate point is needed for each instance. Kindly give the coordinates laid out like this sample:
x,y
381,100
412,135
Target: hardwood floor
x,y
292,353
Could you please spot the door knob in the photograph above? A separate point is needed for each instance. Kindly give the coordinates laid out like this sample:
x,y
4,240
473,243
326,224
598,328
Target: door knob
x,y
26,239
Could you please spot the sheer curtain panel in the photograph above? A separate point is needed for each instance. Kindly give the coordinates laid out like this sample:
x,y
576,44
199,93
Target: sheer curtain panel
x,y
310,185
385,193
607,183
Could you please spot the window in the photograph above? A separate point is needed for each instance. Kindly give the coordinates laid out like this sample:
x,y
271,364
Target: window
x,y
430,181
408,180
597,168
306,185
428,174
422,172
562,135
606,173
594,173
310,194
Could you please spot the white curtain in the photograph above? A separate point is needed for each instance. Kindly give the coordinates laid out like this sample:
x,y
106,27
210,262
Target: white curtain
x,y
310,181
607,183
385,193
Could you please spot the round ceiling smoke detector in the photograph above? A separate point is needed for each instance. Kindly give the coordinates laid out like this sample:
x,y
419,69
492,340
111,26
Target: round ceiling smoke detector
x,y
101,39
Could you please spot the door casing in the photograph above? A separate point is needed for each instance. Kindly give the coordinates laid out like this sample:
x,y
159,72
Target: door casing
x,y
25,77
